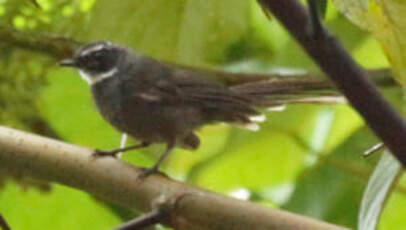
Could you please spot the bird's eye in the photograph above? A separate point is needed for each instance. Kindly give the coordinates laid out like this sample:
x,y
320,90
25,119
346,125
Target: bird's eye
x,y
99,54
92,63
99,60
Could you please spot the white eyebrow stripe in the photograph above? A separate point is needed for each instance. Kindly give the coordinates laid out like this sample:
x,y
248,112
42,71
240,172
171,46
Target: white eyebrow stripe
x,y
93,49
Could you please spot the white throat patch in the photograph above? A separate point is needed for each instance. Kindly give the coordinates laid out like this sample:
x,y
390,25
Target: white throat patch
x,y
93,79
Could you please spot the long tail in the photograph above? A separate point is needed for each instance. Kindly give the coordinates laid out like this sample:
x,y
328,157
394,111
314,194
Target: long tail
x,y
277,92
280,88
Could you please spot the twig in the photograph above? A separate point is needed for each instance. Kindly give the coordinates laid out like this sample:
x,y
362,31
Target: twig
x,y
59,47
147,220
118,182
373,149
162,207
351,79
3,223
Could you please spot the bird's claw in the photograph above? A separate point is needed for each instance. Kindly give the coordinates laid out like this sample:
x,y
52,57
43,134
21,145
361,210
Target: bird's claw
x,y
148,171
101,153
151,171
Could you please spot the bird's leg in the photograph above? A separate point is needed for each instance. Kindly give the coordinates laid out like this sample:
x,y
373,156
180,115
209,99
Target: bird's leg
x,y
155,168
114,152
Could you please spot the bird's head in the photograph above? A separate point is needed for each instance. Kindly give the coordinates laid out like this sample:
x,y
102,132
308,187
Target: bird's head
x,y
96,61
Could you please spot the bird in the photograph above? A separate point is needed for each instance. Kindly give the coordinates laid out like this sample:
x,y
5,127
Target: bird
x,y
155,102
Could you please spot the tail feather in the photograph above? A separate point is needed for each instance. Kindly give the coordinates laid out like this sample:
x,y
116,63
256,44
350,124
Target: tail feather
x,y
283,86
257,118
249,126
277,92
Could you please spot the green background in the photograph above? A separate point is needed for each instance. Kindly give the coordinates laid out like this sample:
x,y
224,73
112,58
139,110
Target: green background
x,y
306,159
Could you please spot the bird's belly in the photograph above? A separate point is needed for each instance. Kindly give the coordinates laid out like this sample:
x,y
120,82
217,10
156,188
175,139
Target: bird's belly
x,y
146,121
142,122
151,122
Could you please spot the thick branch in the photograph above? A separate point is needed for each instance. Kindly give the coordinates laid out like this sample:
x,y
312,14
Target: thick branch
x,y
350,78
118,182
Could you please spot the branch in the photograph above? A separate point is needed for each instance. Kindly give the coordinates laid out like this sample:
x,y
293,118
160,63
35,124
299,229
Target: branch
x,y
59,47
350,78
56,46
118,182
3,224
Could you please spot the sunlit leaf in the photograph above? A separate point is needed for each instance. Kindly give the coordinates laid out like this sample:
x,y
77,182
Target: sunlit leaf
x,y
387,22
392,216
178,30
355,10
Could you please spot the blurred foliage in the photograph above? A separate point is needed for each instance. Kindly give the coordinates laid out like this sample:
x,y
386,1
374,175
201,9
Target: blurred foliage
x,y
338,174
23,72
386,21
306,159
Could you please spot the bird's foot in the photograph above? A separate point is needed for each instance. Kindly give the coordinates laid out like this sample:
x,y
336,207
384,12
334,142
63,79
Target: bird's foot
x,y
115,152
151,171
148,171
101,153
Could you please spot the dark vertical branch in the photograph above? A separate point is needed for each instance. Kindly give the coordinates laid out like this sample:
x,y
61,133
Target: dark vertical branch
x,y
3,224
350,78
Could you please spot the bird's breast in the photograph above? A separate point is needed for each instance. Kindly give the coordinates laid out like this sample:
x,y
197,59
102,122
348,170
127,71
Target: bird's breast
x,y
143,118
128,114
109,99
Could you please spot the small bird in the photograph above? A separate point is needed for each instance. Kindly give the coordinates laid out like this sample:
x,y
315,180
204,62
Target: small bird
x,y
158,103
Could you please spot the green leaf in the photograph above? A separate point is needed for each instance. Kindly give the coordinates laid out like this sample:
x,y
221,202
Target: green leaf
x,y
386,20
377,191
63,209
68,106
338,179
393,217
272,157
355,10
191,32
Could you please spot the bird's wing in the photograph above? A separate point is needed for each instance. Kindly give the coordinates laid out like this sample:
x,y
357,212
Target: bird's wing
x,y
215,101
210,95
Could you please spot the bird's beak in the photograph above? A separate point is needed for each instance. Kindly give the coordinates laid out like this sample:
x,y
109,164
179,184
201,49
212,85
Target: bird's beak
x,y
68,63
